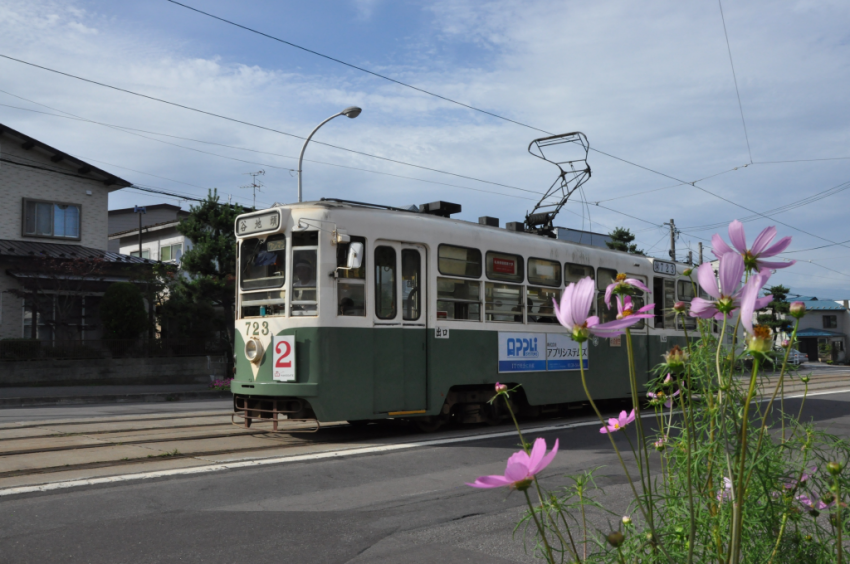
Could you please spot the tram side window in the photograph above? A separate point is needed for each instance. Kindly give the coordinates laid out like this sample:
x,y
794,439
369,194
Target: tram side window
x,y
351,285
575,272
458,299
539,302
685,291
385,287
459,261
304,266
543,272
503,302
605,277
505,267
411,285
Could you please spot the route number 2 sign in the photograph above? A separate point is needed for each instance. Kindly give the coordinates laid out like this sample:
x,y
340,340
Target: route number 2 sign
x,y
283,355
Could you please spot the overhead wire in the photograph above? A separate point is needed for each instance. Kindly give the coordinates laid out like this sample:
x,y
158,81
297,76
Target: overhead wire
x,y
131,130
735,79
262,127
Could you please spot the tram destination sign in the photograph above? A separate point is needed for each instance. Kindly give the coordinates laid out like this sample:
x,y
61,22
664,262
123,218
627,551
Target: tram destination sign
x,y
662,267
249,225
540,352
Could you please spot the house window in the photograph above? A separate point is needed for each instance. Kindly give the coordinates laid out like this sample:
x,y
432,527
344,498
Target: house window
x,y
51,219
170,253
146,253
830,321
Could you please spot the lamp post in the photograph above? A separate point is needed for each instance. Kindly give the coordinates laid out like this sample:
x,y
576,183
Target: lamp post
x,y
351,112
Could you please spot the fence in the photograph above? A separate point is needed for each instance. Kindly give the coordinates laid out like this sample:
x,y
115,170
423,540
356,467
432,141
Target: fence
x,y
33,349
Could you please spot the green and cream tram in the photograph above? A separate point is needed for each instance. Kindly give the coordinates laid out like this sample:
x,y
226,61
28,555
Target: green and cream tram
x,y
355,312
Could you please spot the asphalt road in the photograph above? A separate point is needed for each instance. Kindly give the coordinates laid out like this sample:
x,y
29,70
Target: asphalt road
x,y
404,506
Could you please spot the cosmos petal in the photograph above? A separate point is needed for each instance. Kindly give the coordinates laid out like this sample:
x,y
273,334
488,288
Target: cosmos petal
x,y
777,248
763,240
707,281
737,236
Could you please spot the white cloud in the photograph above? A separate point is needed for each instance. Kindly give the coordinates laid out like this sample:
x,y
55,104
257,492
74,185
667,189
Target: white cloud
x,y
648,83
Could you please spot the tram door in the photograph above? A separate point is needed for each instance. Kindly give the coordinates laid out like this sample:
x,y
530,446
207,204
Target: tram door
x,y
399,320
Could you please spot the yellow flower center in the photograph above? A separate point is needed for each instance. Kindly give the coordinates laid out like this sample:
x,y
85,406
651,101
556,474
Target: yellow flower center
x,y
621,277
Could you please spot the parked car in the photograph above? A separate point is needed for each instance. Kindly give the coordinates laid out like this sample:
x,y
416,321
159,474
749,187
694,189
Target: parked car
x,y
796,357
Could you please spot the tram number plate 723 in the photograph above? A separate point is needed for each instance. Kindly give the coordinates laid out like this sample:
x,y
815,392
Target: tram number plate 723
x,y
253,328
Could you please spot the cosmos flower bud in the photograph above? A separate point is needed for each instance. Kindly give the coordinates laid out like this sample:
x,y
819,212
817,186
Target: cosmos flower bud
x,y
785,343
680,307
616,539
627,520
675,356
660,444
687,272
833,468
797,310
501,388
805,379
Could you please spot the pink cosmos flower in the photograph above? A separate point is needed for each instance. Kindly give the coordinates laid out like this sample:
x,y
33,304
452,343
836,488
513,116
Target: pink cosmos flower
x,y
521,468
501,387
574,313
727,297
621,282
803,478
625,308
725,494
813,501
753,256
618,423
669,403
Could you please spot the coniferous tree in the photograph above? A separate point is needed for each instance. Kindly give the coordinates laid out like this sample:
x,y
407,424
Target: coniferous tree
x,y
209,267
775,314
622,241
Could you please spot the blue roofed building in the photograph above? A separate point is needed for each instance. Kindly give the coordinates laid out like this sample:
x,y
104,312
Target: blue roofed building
x,y
823,331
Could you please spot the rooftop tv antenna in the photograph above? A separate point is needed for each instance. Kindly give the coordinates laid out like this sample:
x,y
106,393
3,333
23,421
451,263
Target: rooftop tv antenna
x,y
568,152
256,186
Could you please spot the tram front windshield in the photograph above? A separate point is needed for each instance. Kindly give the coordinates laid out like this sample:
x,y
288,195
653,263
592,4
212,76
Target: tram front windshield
x,y
263,263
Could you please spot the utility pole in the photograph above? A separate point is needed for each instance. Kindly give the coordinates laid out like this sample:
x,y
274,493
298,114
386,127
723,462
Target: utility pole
x,y
700,252
140,210
255,186
690,258
673,233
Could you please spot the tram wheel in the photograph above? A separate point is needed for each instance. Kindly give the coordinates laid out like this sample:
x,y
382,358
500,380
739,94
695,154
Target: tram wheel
x,y
428,424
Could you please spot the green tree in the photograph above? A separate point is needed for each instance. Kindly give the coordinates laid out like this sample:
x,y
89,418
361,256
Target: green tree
x,y
122,311
622,241
775,314
209,267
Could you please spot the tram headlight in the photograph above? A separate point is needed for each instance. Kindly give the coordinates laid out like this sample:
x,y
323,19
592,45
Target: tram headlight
x,y
253,351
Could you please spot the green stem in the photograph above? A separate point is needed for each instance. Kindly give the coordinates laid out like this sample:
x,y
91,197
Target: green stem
x,y
779,538
717,362
642,448
779,386
738,508
613,443
693,526
839,524
549,558
525,445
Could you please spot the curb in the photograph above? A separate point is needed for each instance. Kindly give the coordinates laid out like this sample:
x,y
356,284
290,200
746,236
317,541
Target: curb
x,y
114,398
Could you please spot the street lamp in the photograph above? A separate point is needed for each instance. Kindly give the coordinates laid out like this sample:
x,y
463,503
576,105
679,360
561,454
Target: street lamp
x,y
351,112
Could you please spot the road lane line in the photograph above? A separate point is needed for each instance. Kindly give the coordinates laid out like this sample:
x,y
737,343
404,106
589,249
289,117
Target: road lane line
x,y
321,455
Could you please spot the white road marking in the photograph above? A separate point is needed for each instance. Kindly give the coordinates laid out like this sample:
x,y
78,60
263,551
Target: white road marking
x,y
319,456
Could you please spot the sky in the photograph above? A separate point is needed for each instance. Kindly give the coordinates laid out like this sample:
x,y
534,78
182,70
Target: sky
x,y
649,84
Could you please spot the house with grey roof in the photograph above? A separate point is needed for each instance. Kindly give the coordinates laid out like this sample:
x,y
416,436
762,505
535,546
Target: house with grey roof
x,y
55,262
159,239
